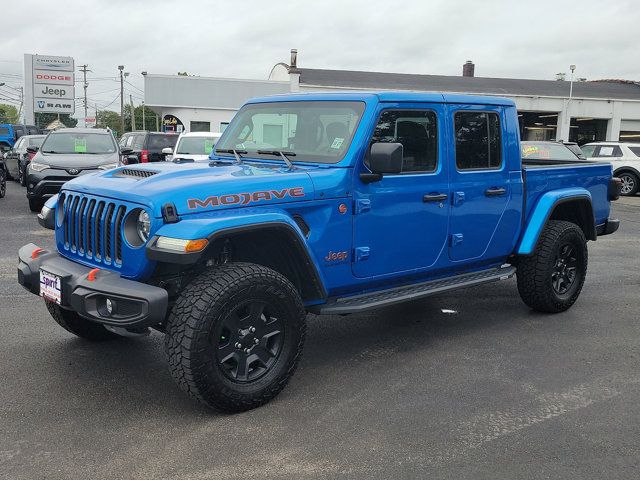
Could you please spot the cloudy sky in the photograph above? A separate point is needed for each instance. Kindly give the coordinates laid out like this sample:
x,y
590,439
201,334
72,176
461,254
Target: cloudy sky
x,y
245,38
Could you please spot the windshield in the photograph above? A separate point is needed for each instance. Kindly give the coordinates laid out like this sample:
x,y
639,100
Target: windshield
x,y
546,151
195,145
80,143
313,131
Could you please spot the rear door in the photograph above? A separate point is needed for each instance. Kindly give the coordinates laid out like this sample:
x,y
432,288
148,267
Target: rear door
x,y
479,180
401,221
156,142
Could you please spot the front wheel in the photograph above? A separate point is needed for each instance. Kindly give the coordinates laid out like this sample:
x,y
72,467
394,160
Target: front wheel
x,y
551,279
35,205
235,335
21,176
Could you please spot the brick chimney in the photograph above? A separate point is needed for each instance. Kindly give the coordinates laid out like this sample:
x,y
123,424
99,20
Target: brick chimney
x,y
468,69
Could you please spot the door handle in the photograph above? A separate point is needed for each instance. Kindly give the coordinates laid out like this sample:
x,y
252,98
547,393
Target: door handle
x,y
435,197
495,192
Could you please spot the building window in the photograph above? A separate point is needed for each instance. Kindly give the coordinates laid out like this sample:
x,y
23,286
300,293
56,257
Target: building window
x,y
477,140
200,126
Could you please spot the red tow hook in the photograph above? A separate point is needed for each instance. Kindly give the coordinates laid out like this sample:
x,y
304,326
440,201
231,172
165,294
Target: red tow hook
x,y
36,252
91,276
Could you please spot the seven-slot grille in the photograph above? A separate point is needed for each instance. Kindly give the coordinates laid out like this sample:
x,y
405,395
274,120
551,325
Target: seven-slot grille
x,y
92,227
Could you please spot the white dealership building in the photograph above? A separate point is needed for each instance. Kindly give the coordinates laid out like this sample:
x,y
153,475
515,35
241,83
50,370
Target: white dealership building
x,y
548,109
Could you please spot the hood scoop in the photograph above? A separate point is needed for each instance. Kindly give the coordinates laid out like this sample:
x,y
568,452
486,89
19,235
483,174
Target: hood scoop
x,y
135,173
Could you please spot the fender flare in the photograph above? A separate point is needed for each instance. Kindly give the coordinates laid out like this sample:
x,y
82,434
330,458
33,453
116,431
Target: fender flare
x,y
221,224
626,169
542,211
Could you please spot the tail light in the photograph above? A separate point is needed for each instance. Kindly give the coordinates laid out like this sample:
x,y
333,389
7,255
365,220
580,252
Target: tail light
x,y
31,155
615,187
144,156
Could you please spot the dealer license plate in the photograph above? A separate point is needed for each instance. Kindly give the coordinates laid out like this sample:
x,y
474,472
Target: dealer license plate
x,y
50,287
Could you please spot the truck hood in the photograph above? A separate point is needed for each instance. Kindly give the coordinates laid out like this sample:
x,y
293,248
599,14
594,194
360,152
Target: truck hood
x,y
72,160
198,187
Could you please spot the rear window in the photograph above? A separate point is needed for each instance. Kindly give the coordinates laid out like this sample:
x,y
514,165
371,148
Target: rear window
x,y
546,151
478,140
80,143
635,150
36,142
158,142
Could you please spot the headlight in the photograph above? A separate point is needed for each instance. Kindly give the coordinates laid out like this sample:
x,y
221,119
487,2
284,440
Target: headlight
x,y
144,225
38,167
108,166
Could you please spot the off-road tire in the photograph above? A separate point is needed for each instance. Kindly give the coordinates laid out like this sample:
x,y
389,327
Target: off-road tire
x,y
534,272
193,340
81,327
35,205
631,180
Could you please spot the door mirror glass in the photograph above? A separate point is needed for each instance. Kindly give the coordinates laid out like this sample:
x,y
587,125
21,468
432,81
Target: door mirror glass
x,y
386,158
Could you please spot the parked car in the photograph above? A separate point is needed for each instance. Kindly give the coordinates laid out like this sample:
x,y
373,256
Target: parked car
x,y
65,154
10,133
625,158
145,147
20,155
548,151
192,146
3,178
350,202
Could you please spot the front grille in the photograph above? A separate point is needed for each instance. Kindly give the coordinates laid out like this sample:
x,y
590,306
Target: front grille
x,y
134,172
93,228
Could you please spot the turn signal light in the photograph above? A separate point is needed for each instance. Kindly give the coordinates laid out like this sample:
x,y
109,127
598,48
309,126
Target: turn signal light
x,y
181,245
196,245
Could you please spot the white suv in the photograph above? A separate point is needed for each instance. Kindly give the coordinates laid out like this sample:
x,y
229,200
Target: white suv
x,y
625,158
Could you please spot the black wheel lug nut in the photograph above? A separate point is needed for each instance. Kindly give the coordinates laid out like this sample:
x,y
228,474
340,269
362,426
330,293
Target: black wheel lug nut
x,y
247,350
238,345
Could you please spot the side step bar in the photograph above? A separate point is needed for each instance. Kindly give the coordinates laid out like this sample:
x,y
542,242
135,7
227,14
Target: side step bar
x,y
383,298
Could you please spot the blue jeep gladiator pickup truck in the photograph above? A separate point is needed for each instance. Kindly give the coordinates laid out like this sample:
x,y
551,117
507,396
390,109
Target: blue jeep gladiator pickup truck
x,y
329,203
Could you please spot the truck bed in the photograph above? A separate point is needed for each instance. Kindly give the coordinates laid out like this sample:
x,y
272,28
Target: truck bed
x,y
540,176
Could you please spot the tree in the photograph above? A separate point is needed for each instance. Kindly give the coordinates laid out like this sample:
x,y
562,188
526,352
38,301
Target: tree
x,y
108,119
8,114
44,119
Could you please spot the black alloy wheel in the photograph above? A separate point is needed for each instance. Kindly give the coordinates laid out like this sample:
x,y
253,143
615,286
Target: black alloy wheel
x,y
564,271
250,340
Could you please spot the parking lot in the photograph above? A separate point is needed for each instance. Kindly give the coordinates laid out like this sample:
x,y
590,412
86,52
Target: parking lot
x,y
465,385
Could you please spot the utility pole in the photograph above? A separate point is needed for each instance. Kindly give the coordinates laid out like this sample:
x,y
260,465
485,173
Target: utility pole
x,y
121,68
133,114
84,70
144,126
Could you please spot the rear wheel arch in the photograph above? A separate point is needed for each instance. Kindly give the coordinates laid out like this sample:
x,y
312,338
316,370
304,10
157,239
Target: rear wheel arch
x,y
274,245
577,210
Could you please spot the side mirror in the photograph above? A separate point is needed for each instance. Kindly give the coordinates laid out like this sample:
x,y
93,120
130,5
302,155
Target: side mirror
x,y
126,151
386,158
33,149
383,158
132,159
167,151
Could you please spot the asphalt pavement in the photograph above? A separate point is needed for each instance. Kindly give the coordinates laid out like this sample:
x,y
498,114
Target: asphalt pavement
x,y
468,385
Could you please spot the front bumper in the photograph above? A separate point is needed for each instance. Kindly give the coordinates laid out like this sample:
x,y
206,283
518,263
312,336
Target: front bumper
x,y
135,304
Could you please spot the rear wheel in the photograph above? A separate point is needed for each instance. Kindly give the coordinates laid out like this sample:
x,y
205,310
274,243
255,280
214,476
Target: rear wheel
x,y
21,175
235,335
551,279
81,327
630,183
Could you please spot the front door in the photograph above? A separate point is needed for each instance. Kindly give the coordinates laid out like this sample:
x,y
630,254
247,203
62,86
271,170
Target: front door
x,y
479,178
401,221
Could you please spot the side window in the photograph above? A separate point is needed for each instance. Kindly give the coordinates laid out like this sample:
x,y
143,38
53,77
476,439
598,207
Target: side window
x,y
123,141
608,151
18,145
417,131
478,140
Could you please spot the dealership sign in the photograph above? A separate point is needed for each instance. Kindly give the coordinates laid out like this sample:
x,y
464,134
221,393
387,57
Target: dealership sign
x,y
49,105
51,76
49,85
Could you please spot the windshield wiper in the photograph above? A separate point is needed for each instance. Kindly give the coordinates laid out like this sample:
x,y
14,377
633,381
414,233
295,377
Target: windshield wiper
x,y
281,154
236,153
